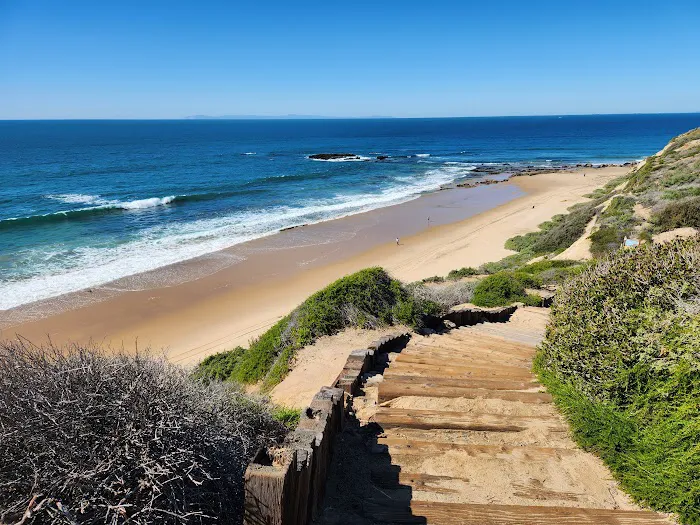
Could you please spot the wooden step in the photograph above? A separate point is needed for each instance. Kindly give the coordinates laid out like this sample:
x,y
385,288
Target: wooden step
x,y
491,344
390,389
417,447
460,350
435,513
447,370
474,337
458,357
435,380
438,419
430,358
393,476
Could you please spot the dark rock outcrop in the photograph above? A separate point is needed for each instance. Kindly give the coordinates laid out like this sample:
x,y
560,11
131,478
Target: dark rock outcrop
x,y
333,156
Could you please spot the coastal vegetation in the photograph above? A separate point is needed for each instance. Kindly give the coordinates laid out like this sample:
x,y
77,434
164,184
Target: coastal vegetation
x,y
95,437
557,234
367,299
622,358
505,288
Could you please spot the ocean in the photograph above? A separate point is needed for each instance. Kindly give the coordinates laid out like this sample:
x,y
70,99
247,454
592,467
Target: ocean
x,y
83,203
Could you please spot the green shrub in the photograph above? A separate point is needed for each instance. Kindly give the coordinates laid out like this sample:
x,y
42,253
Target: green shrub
x,y
682,193
605,239
219,366
679,214
434,279
552,271
467,271
622,358
619,207
502,289
366,299
507,263
533,300
288,416
566,231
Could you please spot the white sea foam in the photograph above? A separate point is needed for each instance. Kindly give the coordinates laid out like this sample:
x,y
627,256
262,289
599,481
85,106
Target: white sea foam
x,y
250,153
77,198
422,154
100,203
57,273
145,203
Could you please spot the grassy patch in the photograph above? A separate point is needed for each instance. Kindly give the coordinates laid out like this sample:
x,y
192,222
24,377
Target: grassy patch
x,y
288,416
366,299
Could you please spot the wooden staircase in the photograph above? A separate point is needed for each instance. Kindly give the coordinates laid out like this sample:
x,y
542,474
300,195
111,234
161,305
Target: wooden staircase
x,y
473,439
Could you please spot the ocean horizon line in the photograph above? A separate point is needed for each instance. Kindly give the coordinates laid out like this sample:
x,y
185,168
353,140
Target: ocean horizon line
x,y
292,117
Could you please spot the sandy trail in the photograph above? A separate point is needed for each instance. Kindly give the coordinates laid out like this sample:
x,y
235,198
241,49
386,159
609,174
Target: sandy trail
x,y
319,364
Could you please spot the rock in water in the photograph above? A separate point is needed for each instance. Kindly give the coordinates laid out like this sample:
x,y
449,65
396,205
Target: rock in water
x,y
333,156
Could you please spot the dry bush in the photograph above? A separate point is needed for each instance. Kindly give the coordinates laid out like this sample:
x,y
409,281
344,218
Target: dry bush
x,y
94,438
444,295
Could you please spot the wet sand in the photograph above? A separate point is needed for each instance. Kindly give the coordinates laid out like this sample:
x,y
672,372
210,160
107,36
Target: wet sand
x,y
241,291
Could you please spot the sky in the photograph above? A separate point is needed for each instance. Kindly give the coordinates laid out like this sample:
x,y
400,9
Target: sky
x,y
153,59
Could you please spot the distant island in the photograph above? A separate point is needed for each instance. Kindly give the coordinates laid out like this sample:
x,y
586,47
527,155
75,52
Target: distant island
x,y
291,116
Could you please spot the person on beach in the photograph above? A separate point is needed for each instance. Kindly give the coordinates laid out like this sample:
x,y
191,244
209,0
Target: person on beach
x,y
397,241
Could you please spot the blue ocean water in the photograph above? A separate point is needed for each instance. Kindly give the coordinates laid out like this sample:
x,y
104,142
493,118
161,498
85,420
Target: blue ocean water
x,y
86,202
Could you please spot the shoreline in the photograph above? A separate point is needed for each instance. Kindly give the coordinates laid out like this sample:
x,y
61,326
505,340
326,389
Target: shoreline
x,y
262,280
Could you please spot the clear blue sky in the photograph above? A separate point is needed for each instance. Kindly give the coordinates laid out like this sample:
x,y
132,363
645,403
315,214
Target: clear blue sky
x,y
152,59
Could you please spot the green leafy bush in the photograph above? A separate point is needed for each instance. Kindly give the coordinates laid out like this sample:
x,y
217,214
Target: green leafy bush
x,y
219,366
366,299
507,263
622,358
467,271
679,214
434,279
605,239
502,289
552,271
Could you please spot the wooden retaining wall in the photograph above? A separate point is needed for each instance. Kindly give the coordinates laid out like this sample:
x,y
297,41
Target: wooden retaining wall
x,y
286,485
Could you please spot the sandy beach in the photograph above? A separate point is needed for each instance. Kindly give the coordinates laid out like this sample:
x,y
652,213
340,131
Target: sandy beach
x,y
245,289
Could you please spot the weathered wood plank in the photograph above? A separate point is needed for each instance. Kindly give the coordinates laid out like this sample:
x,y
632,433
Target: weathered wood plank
x,y
428,358
266,490
491,346
430,378
389,390
424,350
438,419
448,370
434,513
397,447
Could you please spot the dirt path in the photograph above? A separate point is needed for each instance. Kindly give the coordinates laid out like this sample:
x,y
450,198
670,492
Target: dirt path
x,y
457,431
319,364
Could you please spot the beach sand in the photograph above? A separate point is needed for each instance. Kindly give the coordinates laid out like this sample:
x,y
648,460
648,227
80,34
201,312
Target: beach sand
x,y
228,306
